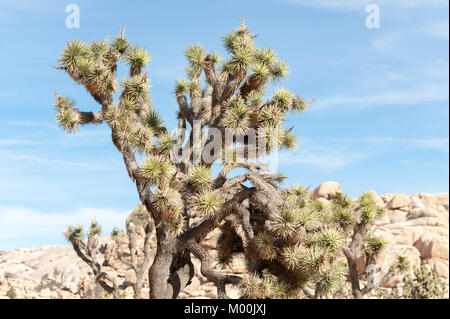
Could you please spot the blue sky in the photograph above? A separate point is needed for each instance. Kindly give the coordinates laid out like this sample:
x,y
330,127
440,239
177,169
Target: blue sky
x,y
380,121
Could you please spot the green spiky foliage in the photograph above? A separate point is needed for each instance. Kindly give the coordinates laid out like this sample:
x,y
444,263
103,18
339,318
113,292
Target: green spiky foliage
x,y
138,216
300,243
182,198
200,177
95,228
424,284
115,234
319,244
74,233
157,170
207,203
354,219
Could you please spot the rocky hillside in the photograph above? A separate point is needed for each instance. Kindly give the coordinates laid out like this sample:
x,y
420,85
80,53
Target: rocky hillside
x,y
416,226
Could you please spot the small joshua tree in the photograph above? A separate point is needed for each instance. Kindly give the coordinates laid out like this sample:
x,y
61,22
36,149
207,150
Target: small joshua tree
x,y
355,219
232,123
137,222
425,284
88,251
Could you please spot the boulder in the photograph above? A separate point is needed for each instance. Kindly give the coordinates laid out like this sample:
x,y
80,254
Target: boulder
x,y
431,245
427,199
46,293
326,190
396,216
130,277
441,200
399,201
440,266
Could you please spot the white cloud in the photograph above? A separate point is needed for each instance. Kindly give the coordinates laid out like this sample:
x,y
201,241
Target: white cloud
x,y
435,29
324,154
326,159
408,86
409,96
33,227
14,141
353,5
423,164
52,161
30,6
338,153
29,123
387,42
440,144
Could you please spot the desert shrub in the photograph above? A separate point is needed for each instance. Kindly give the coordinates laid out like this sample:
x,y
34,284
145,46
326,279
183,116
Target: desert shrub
x,y
425,284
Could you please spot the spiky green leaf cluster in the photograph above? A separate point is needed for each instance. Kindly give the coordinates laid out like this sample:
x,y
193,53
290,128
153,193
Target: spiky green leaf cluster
x,y
375,245
168,203
127,132
207,203
153,120
115,234
195,54
330,279
297,195
343,217
283,98
367,208
400,265
292,256
266,247
181,86
279,70
251,287
157,170
255,98
139,216
330,238
75,51
95,228
115,115
74,233
67,119
299,105
237,116
137,88
137,57
265,56
312,259
289,141
166,143
200,177
286,222
90,66
308,218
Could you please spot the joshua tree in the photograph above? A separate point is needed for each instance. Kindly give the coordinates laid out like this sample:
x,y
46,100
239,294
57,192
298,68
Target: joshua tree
x,y
137,222
89,252
232,123
355,219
